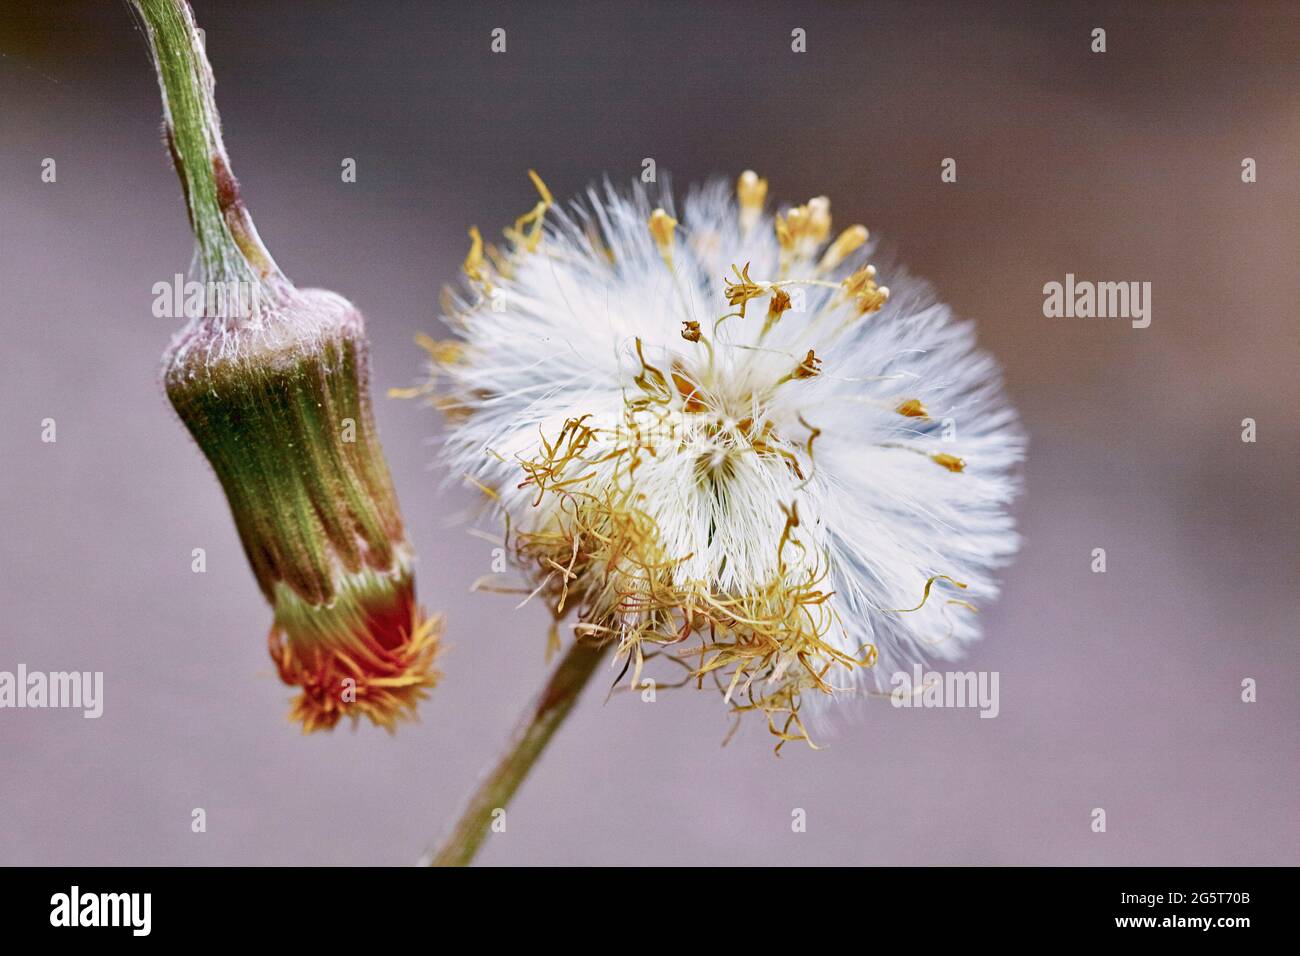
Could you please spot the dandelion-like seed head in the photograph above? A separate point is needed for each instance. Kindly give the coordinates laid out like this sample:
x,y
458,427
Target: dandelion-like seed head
x,y
718,440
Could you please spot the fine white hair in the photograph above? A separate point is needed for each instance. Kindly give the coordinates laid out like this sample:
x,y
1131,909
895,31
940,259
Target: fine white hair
x,y
896,509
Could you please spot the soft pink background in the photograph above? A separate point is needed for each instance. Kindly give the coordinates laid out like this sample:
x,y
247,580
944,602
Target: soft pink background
x,y
1118,690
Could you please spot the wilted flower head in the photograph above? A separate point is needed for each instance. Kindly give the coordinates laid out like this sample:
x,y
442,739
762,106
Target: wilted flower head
x,y
717,437
280,406
273,383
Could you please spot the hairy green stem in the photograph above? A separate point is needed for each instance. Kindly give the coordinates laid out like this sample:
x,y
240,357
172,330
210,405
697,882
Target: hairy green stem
x,y
540,722
228,244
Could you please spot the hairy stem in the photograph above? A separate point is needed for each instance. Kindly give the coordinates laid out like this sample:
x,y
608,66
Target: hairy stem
x,y
540,722
228,244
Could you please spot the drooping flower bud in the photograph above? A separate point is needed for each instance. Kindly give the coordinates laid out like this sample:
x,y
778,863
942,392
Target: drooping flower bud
x,y
273,384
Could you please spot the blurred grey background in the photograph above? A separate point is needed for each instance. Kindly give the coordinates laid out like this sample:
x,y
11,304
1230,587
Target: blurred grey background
x,y
1118,690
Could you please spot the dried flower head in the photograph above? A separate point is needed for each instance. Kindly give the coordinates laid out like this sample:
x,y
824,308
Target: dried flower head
x,y
791,501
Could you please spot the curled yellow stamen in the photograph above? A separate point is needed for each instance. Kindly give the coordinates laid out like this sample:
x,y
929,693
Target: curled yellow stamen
x,y
751,193
808,368
848,242
473,266
951,462
662,227
776,308
547,199
534,218
925,596
743,289
862,288
804,228
912,408
442,351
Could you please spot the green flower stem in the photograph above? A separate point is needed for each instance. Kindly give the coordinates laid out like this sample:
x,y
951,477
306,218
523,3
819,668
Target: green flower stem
x,y
229,247
541,720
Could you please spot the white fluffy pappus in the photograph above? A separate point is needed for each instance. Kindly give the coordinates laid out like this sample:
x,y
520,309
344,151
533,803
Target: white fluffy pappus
x,y
721,441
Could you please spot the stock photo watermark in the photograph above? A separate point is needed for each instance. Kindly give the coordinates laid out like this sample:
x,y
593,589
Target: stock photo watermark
x,y
946,689
177,298
75,908
70,690
1084,299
